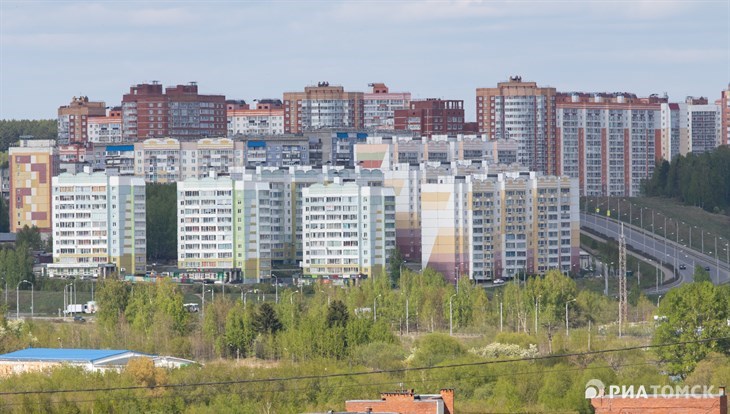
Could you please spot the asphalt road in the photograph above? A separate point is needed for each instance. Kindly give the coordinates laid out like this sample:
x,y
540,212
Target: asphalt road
x,y
665,250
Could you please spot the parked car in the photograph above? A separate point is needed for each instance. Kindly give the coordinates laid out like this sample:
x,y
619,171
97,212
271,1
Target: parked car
x,y
682,266
79,319
707,268
498,281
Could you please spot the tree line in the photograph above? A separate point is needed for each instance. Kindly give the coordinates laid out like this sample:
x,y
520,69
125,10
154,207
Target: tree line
x,y
701,180
337,330
11,130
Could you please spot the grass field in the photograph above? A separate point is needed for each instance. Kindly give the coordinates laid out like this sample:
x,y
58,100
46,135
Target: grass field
x,y
645,278
690,226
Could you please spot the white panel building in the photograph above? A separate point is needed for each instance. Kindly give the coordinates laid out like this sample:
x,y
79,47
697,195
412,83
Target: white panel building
x,y
99,225
349,229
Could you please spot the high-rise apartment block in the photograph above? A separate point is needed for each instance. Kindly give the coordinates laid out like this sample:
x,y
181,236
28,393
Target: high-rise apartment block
x,y
381,104
323,107
266,119
523,112
384,152
106,129
724,102
609,141
703,125
73,119
99,225
431,116
243,226
349,229
499,225
178,112
324,219
169,160
32,165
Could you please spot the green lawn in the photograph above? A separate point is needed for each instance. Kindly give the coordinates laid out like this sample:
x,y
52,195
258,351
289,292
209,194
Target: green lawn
x,y
681,221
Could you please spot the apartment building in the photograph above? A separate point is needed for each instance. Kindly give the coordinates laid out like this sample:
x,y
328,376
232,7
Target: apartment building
x,y
349,229
384,152
157,160
431,116
674,139
178,112
73,119
219,155
266,218
381,104
323,107
704,125
207,237
523,112
105,129
99,225
266,119
499,225
32,164
609,141
724,103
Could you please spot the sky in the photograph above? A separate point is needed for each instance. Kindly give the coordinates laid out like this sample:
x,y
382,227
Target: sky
x,y
51,51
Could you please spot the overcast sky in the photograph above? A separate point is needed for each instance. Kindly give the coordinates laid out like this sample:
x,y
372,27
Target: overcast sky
x,y
53,50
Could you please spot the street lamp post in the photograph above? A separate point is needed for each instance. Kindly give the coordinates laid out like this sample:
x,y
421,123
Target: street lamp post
x,y
407,322
717,262
17,299
567,325
451,315
276,287
537,310
375,308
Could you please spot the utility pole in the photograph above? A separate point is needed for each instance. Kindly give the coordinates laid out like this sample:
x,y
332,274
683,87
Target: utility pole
x,y
623,307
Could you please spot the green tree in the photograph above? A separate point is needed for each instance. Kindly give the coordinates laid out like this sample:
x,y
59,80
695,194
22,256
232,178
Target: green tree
x,y
435,348
691,312
395,263
161,208
701,275
4,216
267,321
31,237
112,297
337,314
239,331
11,130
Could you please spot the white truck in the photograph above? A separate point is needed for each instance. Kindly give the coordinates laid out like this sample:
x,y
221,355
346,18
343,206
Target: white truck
x,y
88,307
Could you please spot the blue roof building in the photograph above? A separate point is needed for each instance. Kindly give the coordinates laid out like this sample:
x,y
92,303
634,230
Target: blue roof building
x,y
37,359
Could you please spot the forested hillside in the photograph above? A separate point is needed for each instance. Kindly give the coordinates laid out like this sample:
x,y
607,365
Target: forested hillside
x,y
701,180
11,130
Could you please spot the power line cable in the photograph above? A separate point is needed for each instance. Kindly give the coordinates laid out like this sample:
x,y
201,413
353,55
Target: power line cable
x,y
363,373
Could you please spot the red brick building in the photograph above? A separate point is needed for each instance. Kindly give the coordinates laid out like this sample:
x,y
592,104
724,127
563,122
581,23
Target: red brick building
x,y
725,121
406,402
432,117
323,107
178,112
716,404
74,117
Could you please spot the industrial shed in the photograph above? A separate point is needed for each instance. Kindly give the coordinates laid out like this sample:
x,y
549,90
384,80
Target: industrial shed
x,y
93,360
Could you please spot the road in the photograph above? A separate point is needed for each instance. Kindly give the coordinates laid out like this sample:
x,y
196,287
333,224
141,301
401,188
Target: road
x,y
664,250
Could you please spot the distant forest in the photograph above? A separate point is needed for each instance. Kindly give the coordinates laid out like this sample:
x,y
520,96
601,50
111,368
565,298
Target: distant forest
x,y
701,180
12,130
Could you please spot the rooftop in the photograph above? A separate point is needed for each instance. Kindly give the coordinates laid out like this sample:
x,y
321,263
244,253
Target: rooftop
x,y
58,354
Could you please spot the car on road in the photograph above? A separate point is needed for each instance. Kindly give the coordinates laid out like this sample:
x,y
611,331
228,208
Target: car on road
x,y
707,268
498,281
683,266
79,319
